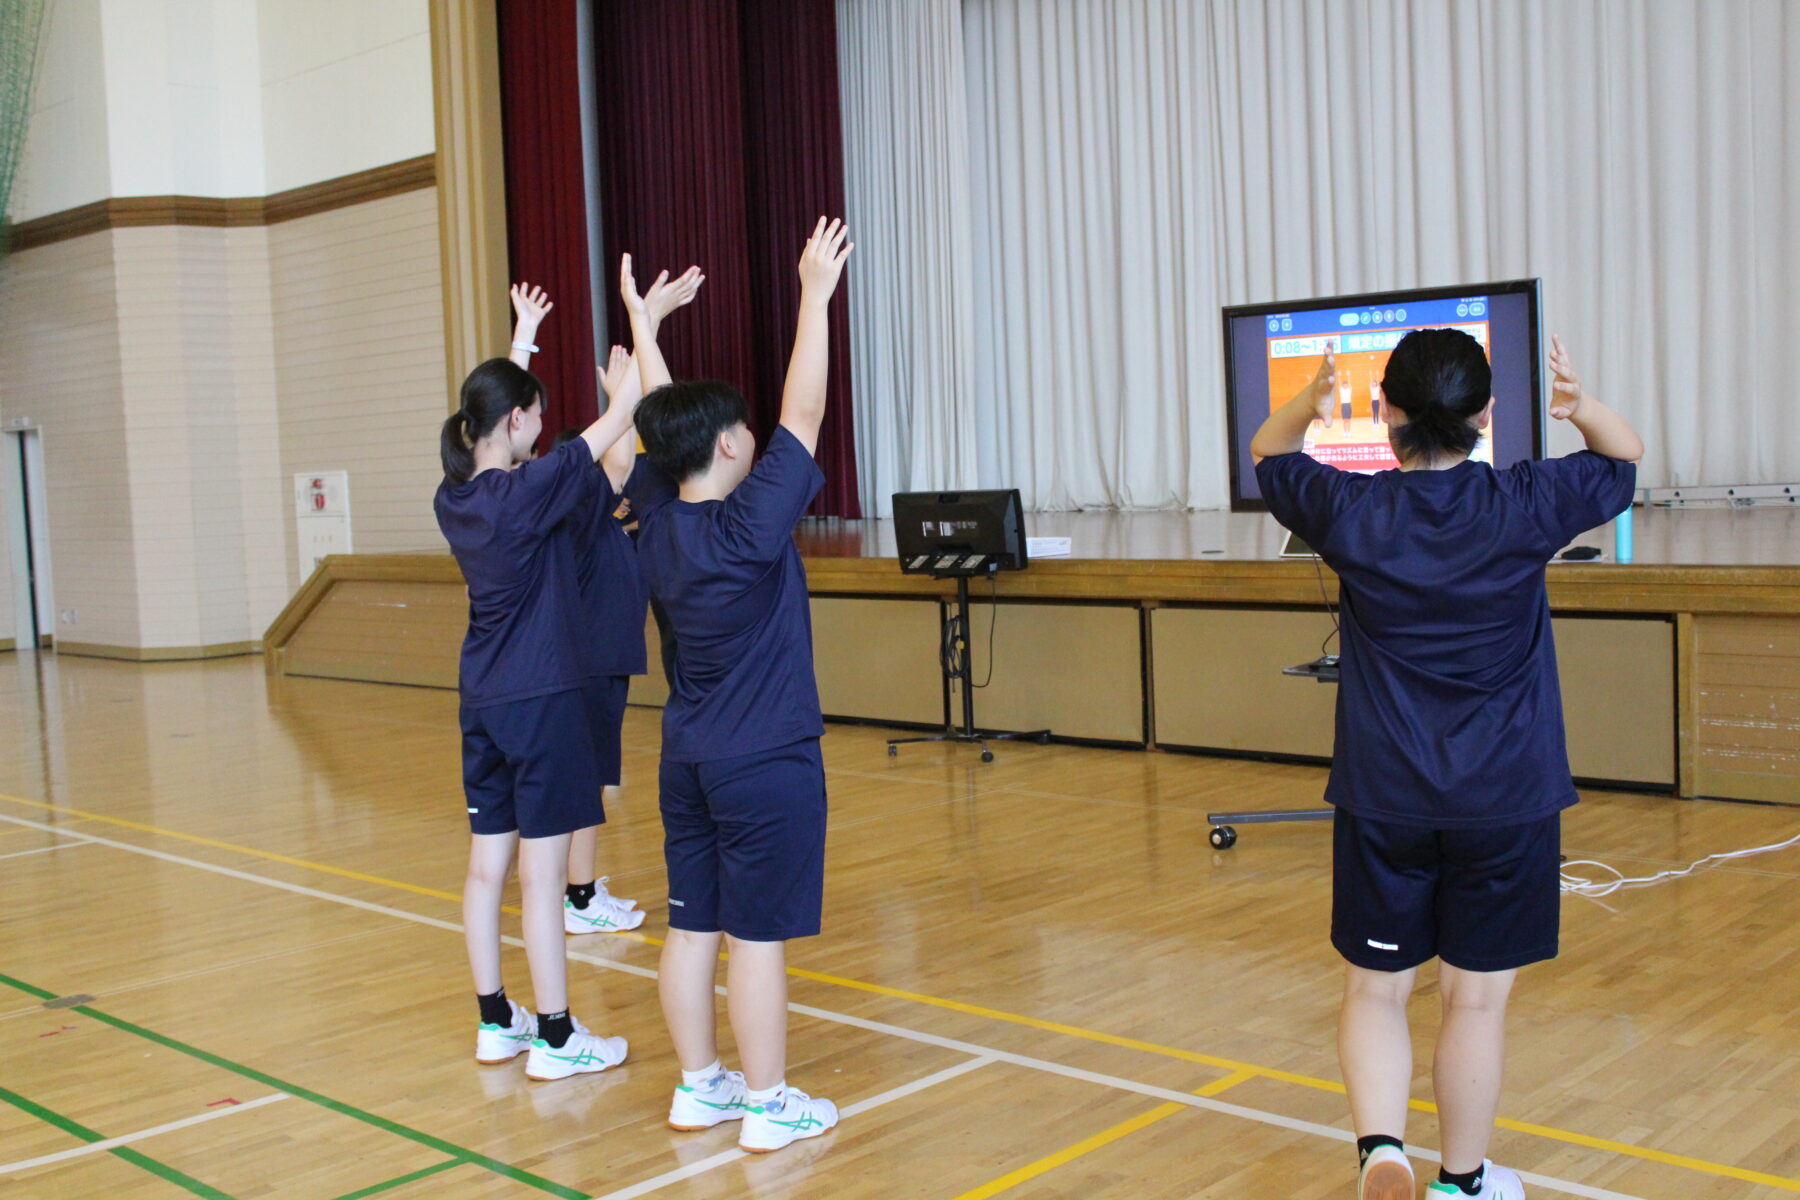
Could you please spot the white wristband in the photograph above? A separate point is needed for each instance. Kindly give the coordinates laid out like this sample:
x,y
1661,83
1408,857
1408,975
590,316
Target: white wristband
x,y
527,347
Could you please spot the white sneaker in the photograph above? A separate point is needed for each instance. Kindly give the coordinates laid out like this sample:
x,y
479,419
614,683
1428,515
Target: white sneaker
x,y
503,1043
605,913
584,1053
1497,1183
785,1120
1386,1175
718,1100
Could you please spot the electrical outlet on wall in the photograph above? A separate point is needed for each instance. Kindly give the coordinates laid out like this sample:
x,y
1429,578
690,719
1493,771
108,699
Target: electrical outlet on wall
x,y
67,616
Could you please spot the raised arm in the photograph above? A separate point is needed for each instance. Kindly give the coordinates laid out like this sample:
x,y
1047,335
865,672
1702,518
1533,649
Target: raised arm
x,y
620,383
530,307
1285,430
803,396
621,410
1602,429
647,313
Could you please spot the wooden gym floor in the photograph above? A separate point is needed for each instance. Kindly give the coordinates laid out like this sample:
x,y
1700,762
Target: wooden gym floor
x,y
230,966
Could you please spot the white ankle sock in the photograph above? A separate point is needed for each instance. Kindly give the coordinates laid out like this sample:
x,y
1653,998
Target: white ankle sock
x,y
703,1075
764,1095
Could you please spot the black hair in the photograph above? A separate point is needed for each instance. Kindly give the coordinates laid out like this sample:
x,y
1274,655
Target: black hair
x,y
1441,380
680,423
489,395
564,438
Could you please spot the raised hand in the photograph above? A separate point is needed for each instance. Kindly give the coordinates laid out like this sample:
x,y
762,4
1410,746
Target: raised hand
x,y
1323,388
530,304
1565,387
822,262
666,295
616,375
628,292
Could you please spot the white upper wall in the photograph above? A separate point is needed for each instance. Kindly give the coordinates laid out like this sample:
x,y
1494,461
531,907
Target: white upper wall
x,y
346,85
221,97
63,162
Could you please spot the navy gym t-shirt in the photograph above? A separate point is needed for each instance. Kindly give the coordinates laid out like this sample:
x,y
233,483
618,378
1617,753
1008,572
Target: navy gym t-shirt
x,y
613,600
1449,712
729,577
510,533
648,489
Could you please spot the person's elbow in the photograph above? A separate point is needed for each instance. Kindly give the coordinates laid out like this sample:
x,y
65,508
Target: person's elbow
x,y
1262,446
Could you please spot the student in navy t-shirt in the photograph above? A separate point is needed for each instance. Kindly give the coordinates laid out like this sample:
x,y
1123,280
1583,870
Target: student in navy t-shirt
x,y
1450,772
743,786
530,770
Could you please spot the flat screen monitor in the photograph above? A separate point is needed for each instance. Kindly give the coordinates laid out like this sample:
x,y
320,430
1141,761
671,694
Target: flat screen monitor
x,y
1272,350
960,532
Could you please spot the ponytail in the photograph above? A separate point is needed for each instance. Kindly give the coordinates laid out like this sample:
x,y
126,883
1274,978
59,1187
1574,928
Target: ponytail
x,y
456,448
489,395
1441,380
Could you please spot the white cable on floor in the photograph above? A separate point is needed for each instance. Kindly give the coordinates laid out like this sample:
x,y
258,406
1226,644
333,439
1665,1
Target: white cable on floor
x,y
1579,886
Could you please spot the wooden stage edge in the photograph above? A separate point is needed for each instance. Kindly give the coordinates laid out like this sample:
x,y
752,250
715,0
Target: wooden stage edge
x,y
1681,671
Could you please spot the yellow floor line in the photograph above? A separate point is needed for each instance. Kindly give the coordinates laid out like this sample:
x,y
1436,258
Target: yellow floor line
x,y
1105,1137
995,1014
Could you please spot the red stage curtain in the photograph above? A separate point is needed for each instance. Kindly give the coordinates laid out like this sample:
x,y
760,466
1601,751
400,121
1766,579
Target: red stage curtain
x,y
794,166
546,199
720,145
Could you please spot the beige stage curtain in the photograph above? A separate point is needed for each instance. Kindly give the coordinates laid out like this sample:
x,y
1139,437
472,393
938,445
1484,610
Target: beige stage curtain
x,y
906,168
1136,164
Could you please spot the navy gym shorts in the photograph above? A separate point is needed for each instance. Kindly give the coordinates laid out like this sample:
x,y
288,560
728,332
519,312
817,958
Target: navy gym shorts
x,y
1480,899
606,712
744,841
529,765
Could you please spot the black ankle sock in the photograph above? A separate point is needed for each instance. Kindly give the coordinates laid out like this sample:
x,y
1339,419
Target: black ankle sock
x,y
580,894
1366,1146
1470,1183
556,1028
494,1009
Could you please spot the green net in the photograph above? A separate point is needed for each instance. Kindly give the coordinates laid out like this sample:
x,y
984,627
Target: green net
x,y
21,23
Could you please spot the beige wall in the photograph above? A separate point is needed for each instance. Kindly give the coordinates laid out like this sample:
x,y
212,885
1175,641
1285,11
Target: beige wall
x,y
181,375
199,405
359,363
60,369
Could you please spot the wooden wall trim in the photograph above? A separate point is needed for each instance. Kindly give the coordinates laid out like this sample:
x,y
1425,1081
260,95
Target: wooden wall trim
x,y
216,212
157,653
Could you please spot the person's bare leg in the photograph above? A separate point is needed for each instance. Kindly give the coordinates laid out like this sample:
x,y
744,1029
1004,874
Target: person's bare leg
x,y
583,844
490,862
690,964
1470,1061
543,863
756,992
1375,1049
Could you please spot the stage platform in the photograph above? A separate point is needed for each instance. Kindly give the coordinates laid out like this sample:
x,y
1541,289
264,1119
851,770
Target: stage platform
x,y
1681,670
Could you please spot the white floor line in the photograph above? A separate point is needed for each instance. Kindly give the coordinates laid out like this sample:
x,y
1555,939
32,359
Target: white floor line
x,y
140,1135
1037,1064
702,1166
40,850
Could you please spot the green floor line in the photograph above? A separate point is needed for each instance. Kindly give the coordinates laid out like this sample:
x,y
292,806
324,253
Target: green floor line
x,y
75,1129
462,1153
398,1181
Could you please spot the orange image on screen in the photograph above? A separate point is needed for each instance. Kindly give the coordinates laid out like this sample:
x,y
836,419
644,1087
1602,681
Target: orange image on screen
x,y
1357,438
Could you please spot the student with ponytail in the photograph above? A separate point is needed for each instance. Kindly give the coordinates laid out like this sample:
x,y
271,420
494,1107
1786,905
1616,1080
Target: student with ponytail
x,y
531,774
1450,771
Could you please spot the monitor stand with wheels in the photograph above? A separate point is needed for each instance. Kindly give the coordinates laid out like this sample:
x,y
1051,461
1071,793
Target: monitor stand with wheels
x,y
1223,835
955,661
